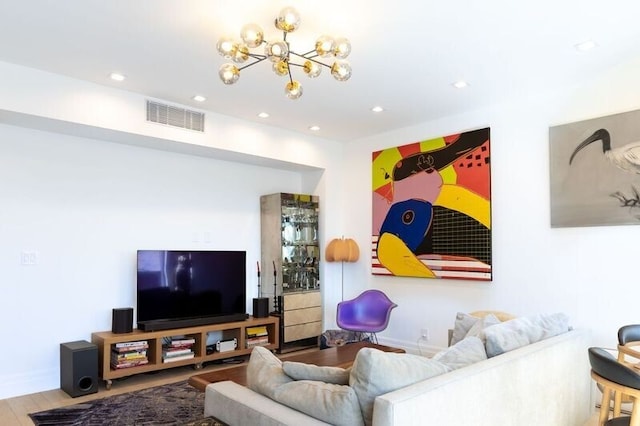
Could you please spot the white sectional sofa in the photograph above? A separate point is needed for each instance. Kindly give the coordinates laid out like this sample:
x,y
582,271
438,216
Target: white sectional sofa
x,y
546,383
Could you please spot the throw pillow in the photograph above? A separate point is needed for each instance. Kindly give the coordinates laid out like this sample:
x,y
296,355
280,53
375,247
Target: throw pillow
x,y
519,332
302,371
466,352
477,329
463,324
264,372
331,403
375,372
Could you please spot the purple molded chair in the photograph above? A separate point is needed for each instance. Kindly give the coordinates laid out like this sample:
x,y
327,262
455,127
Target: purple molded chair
x,y
367,314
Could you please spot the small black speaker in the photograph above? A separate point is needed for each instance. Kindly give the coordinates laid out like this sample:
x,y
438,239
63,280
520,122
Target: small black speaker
x,y
79,368
260,307
122,320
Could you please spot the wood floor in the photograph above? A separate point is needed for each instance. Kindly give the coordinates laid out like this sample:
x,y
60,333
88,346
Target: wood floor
x,y
14,411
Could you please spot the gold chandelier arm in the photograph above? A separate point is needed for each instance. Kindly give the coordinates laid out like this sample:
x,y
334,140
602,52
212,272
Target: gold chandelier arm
x,y
310,58
304,55
258,59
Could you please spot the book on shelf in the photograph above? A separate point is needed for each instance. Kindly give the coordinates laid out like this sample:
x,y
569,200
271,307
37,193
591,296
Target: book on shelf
x,y
178,357
129,364
176,352
260,330
257,341
129,355
182,341
131,348
130,344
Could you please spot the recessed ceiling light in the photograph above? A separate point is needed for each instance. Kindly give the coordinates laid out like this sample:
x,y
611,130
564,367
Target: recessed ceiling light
x,y
199,98
116,76
377,109
585,45
263,115
314,128
460,84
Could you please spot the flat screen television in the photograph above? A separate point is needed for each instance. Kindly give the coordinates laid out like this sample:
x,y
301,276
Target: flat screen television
x,y
187,288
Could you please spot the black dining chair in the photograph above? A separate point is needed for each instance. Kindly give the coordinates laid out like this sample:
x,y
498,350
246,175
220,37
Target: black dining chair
x,y
615,377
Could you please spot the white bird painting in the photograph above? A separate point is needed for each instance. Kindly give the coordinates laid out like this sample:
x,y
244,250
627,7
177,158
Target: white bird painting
x,y
626,157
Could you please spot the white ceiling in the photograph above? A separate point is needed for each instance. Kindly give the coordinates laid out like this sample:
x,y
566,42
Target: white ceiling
x,y
406,54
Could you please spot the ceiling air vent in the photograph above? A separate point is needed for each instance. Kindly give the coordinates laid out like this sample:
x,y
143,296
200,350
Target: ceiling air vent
x,y
173,116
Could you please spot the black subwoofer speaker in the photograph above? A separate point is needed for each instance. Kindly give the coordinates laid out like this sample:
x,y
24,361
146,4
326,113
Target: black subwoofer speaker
x,y
122,320
260,307
78,368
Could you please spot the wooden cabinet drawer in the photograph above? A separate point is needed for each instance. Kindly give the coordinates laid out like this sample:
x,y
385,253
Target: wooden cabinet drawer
x,y
302,331
301,316
302,300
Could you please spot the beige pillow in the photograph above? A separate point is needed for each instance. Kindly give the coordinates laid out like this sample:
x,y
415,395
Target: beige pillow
x,y
264,372
502,316
302,371
375,373
331,403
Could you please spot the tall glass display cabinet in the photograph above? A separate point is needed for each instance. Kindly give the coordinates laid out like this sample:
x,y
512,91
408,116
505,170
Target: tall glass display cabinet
x,y
291,267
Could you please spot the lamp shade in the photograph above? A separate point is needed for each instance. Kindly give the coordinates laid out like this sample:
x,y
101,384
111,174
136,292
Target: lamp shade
x,y
342,250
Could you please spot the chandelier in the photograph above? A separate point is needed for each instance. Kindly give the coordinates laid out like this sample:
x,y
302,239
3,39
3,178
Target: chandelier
x,y
281,56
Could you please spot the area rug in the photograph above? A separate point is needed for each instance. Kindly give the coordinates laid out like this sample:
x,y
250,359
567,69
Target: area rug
x,y
173,404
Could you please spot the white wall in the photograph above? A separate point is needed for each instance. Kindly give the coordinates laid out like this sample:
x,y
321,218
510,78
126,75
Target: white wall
x,y
589,273
85,204
85,207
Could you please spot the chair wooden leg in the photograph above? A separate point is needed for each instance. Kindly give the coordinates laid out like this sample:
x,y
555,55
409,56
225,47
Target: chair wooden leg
x,y
635,414
617,404
605,405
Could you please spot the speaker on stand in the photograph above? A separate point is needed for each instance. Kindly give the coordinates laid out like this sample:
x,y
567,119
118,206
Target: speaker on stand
x,y
78,368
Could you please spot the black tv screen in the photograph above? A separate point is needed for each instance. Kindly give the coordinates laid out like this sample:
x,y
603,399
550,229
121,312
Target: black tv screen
x,y
186,288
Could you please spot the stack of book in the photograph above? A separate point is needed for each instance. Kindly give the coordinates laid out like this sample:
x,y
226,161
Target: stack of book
x,y
178,349
129,354
257,336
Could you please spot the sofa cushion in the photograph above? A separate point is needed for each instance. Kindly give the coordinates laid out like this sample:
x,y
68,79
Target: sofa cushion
x,y
477,329
466,352
302,371
375,372
331,403
264,372
462,325
518,332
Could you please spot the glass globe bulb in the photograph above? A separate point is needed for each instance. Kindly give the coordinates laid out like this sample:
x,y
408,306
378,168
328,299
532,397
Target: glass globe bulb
x,y
325,46
227,47
288,19
276,50
241,54
281,68
341,70
293,89
342,48
252,35
229,73
312,69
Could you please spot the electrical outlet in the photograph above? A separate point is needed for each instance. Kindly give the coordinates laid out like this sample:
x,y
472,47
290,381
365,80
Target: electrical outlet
x,y
424,333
